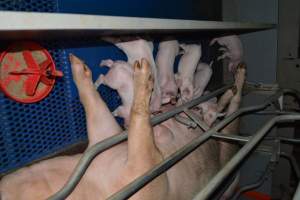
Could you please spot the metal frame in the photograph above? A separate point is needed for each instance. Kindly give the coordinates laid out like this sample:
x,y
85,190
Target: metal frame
x,y
141,181
32,25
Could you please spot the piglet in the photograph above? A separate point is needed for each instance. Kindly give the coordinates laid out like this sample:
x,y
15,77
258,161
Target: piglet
x,y
120,78
232,49
167,51
209,111
136,50
186,69
201,78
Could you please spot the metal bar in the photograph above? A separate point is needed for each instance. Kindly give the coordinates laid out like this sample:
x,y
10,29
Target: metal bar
x,y
231,137
242,153
256,184
59,24
98,148
275,112
141,181
185,121
289,140
196,119
165,116
293,163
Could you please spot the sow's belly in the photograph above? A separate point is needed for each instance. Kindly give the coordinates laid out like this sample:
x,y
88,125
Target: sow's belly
x,y
193,172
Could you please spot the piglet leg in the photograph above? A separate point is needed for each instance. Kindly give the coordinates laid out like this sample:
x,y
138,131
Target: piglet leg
x,y
225,98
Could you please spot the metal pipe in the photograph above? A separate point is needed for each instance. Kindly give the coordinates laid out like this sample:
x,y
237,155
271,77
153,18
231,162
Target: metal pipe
x,y
242,153
235,138
99,147
167,163
196,119
275,112
256,184
289,140
167,115
293,163
185,121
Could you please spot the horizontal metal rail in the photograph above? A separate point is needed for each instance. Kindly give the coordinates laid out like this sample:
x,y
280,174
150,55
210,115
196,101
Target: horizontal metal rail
x,y
98,148
76,25
167,163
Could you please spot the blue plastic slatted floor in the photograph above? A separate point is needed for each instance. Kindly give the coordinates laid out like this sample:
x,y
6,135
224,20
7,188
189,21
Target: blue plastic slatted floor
x,y
31,131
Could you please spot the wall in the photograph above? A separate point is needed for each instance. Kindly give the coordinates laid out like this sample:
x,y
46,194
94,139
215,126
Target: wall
x,y
261,47
188,9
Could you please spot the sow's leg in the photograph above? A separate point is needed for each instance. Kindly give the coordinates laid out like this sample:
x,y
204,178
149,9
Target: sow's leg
x,y
100,122
228,149
232,99
143,153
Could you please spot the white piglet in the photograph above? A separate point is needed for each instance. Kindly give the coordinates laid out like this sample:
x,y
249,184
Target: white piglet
x,y
120,78
186,69
201,79
232,49
167,51
136,50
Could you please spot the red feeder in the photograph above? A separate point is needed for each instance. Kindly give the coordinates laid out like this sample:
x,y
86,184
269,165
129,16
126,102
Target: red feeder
x,y
27,72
